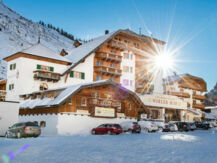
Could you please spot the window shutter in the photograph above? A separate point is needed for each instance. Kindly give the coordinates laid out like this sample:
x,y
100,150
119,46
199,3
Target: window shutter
x,y
52,69
10,67
9,87
82,75
72,74
38,67
14,65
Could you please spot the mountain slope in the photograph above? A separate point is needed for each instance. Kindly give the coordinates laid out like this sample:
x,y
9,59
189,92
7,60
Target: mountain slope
x,y
211,97
17,33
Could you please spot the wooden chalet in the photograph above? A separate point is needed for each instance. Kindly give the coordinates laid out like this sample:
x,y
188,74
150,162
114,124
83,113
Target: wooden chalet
x,y
104,99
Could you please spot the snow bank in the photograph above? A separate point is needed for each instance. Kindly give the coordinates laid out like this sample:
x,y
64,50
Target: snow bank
x,y
182,137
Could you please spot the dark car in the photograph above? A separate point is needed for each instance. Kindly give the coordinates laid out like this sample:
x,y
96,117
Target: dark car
x,y
183,126
202,125
192,126
107,129
24,129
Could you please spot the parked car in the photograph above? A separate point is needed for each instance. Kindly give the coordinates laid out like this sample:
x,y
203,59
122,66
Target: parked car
x,y
24,129
212,124
183,126
148,126
160,125
192,126
170,127
107,129
130,126
202,125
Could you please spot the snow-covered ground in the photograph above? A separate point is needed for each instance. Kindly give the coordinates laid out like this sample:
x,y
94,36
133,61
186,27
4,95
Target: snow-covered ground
x,y
197,146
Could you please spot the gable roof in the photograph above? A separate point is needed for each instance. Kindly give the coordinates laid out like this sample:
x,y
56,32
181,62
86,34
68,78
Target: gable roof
x,y
42,51
68,92
76,55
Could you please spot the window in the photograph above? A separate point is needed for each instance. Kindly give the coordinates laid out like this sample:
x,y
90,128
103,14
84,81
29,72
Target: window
x,y
13,66
98,78
43,87
11,86
125,69
98,63
107,96
36,123
131,83
113,65
131,69
112,52
131,56
83,101
70,101
42,124
181,90
129,106
126,56
95,94
45,68
126,82
79,75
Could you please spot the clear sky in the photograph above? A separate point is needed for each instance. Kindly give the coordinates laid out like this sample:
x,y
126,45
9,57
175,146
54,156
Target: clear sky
x,y
189,24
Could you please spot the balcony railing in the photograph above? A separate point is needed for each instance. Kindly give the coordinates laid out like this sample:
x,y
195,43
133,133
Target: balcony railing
x,y
179,94
123,46
44,75
198,106
2,95
109,56
198,97
108,70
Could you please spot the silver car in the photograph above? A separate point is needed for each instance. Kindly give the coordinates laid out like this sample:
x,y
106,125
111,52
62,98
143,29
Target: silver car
x,y
24,129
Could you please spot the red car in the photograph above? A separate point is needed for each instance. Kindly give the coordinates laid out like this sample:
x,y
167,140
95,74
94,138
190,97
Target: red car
x,y
107,129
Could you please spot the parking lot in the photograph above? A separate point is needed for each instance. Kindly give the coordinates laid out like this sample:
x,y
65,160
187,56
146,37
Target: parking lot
x,y
196,146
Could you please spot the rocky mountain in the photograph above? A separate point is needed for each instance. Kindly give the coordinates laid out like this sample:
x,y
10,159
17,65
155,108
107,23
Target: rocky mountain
x,y
211,97
17,33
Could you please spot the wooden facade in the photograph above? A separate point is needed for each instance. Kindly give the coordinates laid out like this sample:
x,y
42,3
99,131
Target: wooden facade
x,y
3,90
109,54
103,97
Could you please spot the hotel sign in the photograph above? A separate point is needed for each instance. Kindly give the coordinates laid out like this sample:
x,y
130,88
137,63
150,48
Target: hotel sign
x,y
104,112
166,101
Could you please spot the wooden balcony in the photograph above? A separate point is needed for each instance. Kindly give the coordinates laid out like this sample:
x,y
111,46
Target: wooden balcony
x,y
179,94
198,97
104,102
198,106
46,75
2,95
109,56
123,46
108,70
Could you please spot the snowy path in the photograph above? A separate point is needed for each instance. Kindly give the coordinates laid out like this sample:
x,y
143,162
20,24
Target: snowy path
x,y
197,146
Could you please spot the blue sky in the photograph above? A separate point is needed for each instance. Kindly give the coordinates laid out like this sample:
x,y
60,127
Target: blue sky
x,y
190,24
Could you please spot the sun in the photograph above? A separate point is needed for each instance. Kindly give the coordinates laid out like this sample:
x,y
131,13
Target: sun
x,y
163,61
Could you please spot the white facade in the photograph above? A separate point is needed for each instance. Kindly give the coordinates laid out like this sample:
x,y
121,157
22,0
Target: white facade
x,y
127,78
69,123
8,115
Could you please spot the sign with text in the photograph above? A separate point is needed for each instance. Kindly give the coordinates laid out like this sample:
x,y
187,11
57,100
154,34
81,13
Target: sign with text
x,y
104,112
166,101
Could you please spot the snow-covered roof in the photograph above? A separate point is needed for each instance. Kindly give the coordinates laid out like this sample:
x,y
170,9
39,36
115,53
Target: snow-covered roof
x,y
209,116
171,79
66,92
80,52
43,51
211,107
193,111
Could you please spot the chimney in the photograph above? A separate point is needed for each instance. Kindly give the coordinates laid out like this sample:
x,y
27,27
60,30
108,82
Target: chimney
x,y
77,43
106,32
63,53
